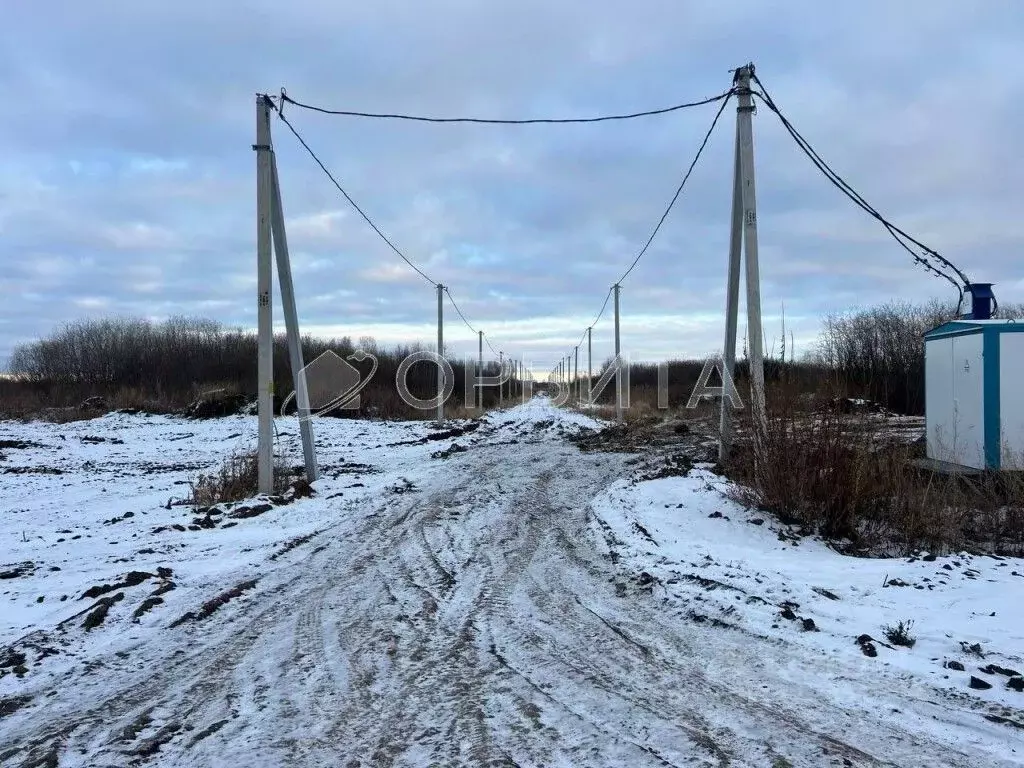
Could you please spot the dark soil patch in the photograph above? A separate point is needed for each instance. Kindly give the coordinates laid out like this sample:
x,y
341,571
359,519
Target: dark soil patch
x,y
453,432
212,405
12,658
147,605
12,704
207,731
1004,721
33,471
644,532
98,439
245,512
644,436
15,570
675,465
131,579
152,746
19,444
210,606
99,613
453,449
443,434
708,584
826,593
296,542
995,669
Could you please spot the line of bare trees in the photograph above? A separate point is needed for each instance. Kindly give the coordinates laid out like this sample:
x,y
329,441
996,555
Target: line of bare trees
x,y
163,365
876,353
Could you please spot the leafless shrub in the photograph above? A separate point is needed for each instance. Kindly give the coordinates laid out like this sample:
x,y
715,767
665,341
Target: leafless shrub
x,y
236,479
845,477
900,634
878,352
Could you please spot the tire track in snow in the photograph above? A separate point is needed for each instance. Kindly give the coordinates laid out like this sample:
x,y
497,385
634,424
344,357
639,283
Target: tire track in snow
x,y
471,623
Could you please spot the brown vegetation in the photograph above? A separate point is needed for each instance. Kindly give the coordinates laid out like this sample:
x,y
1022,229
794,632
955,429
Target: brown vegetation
x,y
126,363
852,477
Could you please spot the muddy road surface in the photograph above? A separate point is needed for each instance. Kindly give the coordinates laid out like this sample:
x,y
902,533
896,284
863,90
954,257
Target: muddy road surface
x,y
476,620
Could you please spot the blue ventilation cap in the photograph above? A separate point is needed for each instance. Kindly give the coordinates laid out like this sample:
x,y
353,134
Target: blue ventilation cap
x,y
983,301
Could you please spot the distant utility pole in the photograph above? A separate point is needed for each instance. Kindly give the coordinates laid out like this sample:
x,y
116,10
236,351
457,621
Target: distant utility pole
x,y
618,361
271,241
590,365
501,373
480,371
440,353
743,236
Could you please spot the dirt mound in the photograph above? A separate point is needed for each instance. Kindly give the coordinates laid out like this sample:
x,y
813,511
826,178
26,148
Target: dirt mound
x,y
644,435
212,405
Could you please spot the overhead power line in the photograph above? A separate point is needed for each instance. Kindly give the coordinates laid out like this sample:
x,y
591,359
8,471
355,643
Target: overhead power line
x,y
459,311
679,189
352,202
603,307
897,234
525,121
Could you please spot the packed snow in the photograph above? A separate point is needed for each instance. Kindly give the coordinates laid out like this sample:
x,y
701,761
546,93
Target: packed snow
x,y
491,595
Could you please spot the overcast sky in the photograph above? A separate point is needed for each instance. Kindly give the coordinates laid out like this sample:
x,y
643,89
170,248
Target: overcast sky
x,y
128,180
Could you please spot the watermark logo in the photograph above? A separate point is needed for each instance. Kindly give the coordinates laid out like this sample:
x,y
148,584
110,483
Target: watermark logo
x,y
701,391
333,382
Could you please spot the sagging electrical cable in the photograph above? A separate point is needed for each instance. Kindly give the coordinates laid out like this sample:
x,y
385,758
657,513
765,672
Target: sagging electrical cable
x,y
679,189
352,202
899,235
493,121
459,311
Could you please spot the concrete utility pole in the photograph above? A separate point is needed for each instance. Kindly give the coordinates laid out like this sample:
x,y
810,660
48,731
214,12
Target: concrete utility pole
x,y
576,369
743,236
440,353
291,322
618,362
590,365
264,286
480,371
501,374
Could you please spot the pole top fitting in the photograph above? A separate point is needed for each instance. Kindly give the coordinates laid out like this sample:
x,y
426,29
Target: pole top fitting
x,y
746,71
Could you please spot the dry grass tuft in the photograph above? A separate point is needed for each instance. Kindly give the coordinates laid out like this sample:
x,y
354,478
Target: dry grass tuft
x,y
235,480
843,477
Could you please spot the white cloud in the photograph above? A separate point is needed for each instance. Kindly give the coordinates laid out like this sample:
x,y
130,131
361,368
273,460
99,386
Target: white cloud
x,y
117,168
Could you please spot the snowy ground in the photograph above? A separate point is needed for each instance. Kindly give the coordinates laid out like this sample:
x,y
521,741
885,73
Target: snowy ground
x,y
517,603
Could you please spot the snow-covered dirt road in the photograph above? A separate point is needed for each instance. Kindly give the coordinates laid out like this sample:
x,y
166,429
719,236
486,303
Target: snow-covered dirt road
x,y
517,603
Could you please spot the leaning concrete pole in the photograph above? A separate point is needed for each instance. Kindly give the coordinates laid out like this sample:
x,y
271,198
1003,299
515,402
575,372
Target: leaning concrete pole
x,y
480,371
291,323
618,361
590,366
732,299
576,372
744,114
264,287
440,354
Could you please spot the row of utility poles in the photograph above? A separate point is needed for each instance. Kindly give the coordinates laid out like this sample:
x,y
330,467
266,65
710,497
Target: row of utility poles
x,y
568,368
271,241
742,240
510,371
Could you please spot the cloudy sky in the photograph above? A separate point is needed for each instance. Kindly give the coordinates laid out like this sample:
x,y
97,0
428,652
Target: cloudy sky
x,y
128,180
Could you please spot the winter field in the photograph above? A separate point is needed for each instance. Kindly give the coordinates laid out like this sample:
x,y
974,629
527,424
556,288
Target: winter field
x,y
521,602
